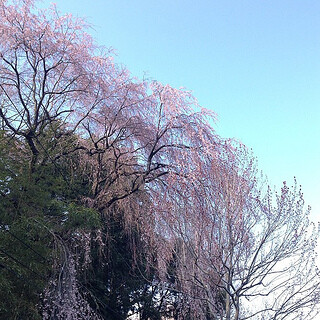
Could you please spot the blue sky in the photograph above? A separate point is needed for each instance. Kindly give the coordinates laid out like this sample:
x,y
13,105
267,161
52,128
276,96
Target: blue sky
x,y
255,63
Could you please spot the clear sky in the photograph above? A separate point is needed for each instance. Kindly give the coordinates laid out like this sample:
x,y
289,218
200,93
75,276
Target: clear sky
x,y
255,63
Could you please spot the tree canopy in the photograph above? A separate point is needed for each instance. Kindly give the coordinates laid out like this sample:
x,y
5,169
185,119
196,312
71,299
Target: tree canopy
x,y
118,198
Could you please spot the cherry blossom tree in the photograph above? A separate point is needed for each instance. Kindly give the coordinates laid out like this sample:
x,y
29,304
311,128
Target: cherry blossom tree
x,y
62,95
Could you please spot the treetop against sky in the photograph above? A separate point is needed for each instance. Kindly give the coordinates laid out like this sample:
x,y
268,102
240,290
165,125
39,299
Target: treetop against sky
x,y
256,64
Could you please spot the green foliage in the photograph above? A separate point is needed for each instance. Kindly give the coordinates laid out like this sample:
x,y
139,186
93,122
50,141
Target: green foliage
x,y
25,230
79,217
25,266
